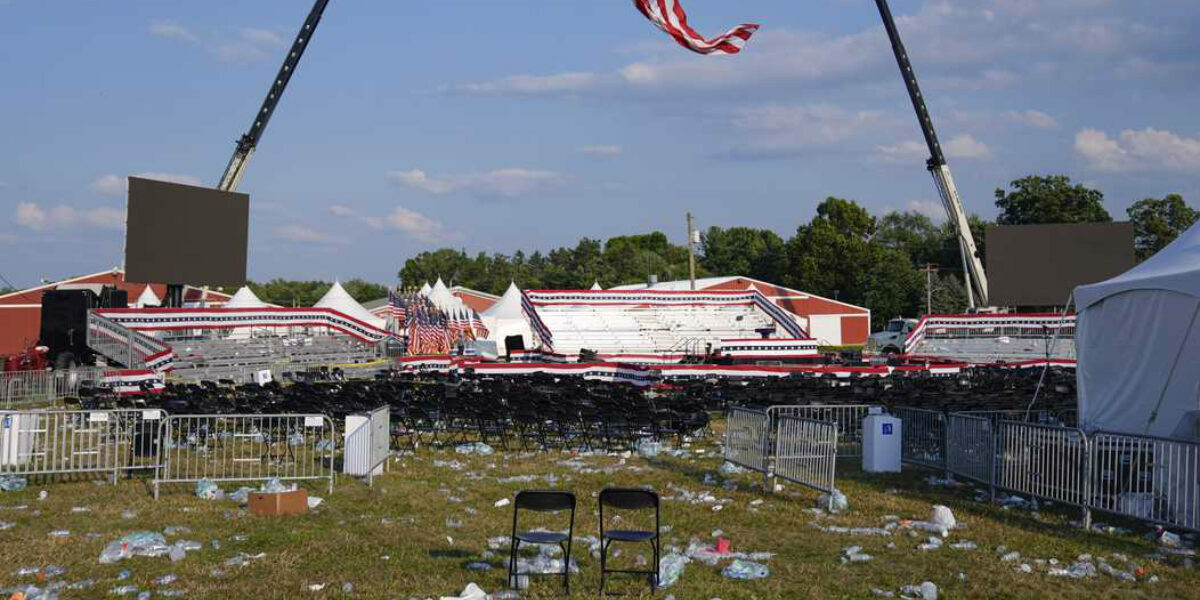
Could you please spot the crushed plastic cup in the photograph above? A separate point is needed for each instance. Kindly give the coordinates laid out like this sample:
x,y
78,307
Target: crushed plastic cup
x,y
834,503
670,569
475,448
13,483
206,489
138,543
723,546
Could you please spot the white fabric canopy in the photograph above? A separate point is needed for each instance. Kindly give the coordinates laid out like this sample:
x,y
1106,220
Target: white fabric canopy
x,y
245,298
596,286
441,297
337,298
506,318
1138,342
147,299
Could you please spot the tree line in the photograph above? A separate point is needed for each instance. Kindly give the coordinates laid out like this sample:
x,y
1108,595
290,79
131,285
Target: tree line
x,y
843,252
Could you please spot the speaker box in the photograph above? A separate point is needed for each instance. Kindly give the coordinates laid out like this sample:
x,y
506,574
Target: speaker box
x,y
64,321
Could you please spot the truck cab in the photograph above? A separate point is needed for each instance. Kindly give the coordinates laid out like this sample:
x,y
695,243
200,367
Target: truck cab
x,y
891,339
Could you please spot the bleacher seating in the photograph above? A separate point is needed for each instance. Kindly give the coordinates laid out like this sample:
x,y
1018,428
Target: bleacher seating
x,y
237,359
650,329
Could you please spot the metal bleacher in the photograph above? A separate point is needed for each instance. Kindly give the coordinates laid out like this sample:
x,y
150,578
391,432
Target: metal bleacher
x,y
649,329
239,359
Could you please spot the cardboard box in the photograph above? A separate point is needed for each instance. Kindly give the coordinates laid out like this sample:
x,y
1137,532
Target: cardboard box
x,y
282,503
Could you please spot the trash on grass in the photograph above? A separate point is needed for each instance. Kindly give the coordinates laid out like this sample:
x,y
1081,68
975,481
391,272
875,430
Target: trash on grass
x,y
206,489
745,570
12,483
475,448
834,503
670,569
138,543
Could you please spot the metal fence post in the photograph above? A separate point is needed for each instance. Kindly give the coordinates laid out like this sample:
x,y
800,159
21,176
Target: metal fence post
x,y
945,445
1088,478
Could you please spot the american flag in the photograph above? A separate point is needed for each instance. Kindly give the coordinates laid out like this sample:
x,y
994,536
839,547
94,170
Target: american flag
x,y
668,15
479,329
397,308
536,323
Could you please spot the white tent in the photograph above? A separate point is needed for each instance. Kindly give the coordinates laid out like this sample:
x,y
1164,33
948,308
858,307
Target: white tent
x,y
506,318
338,299
1138,342
147,299
441,297
245,298
596,287
425,289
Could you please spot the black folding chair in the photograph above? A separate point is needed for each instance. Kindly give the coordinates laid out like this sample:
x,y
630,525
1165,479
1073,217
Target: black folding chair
x,y
542,501
629,499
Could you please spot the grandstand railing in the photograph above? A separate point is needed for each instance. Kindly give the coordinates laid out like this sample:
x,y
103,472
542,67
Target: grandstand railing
x,y
133,349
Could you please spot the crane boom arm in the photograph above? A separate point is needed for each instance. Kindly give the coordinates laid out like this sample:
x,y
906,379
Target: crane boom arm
x,y
976,279
249,141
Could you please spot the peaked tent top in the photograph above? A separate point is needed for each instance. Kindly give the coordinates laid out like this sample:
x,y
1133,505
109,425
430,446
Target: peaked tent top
x,y
147,298
442,298
338,299
508,306
425,289
596,287
1175,268
245,298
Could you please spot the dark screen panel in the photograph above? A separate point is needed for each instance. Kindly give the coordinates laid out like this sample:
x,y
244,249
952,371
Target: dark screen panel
x,y
1039,265
185,234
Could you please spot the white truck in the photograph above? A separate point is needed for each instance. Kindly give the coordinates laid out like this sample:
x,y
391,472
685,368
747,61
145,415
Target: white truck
x,y
891,339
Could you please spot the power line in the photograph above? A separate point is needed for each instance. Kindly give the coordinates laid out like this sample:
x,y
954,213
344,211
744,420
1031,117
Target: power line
x,y
15,289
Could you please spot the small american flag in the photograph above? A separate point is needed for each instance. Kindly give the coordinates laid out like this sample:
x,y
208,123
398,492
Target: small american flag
x,y
668,15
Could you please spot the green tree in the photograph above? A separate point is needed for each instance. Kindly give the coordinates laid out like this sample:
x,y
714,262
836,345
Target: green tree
x,y
915,235
1158,221
757,253
827,255
1050,199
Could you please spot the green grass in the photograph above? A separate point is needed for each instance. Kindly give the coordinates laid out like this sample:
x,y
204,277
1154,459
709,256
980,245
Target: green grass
x,y
391,541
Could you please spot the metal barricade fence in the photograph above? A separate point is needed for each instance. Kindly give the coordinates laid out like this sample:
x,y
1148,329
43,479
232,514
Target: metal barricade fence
x,y
922,437
746,438
29,387
78,442
245,448
1040,417
368,443
1043,461
806,452
1148,478
970,447
847,417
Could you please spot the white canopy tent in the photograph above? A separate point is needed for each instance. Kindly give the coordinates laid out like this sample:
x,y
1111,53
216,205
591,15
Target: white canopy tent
x,y
245,298
337,298
147,299
441,297
1138,343
506,318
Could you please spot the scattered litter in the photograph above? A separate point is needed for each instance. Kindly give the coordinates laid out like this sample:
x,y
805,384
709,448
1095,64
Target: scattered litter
x,y
728,468
964,545
501,503
206,489
475,448
166,579
316,587
1079,570
81,509
1115,573
868,531
942,515
479,566
670,569
926,591
453,524
933,543
138,543
172,531
60,533
648,447
471,592
854,554
1011,557
123,590
834,503
42,495
745,570
347,588
878,593
128,514
314,501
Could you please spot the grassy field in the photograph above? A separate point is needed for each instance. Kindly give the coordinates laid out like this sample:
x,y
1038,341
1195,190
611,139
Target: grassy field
x,y
414,532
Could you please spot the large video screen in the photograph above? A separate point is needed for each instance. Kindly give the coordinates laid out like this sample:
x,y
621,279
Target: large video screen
x,y
185,234
1039,265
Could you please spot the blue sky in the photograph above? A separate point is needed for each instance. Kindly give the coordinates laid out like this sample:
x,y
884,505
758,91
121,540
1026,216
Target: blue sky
x,y
496,126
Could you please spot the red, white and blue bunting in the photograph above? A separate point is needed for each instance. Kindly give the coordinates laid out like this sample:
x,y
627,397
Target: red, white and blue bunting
x,y
133,382
536,324
177,319
149,352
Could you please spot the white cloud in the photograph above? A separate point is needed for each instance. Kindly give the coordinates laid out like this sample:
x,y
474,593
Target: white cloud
x,y
341,211
786,130
116,186
600,150
251,44
964,146
33,216
300,233
508,183
903,152
1145,150
172,31
930,208
412,224
532,84
1033,118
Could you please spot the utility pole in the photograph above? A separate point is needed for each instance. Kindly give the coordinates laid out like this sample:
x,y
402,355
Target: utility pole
x,y
691,250
929,270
